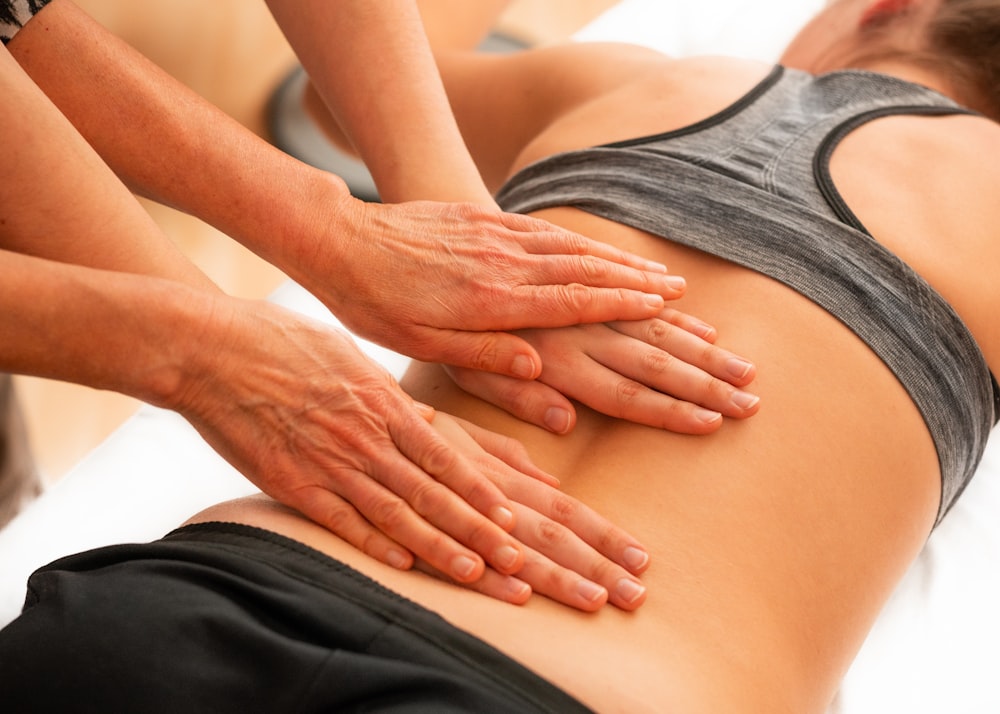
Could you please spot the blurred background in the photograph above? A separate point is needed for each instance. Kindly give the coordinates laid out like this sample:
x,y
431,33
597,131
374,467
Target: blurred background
x,y
232,53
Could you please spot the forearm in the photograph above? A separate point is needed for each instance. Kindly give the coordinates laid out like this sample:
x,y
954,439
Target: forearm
x,y
372,65
170,145
108,330
63,202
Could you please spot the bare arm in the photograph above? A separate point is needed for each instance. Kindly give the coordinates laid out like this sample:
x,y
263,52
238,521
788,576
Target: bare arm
x,y
96,295
373,67
365,262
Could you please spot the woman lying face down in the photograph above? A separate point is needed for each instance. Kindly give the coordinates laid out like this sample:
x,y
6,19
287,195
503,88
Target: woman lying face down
x,y
788,199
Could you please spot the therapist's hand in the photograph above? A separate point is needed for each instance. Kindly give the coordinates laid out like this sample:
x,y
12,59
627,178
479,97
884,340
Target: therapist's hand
x,y
302,413
573,555
663,372
444,282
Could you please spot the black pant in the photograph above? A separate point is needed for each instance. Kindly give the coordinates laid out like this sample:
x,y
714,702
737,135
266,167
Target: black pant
x,y
229,618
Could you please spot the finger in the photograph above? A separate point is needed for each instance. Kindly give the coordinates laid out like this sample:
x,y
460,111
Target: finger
x,y
561,566
562,584
610,390
603,536
498,352
505,588
406,525
456,498
690,323
394,484
530,401
341,518
554,299
678,334
539,237
508,450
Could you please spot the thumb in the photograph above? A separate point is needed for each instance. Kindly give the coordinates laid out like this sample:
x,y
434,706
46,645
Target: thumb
x,y
499,352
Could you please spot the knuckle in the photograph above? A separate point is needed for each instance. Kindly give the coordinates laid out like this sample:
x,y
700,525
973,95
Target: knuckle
x,y
575,243
481,535
593,269
479,490
563,509
513,450
715,388
657,332
550,534
574,296
338,517
656,361
485,357
389,513
626,392
710,354
603,570
428,498
438,458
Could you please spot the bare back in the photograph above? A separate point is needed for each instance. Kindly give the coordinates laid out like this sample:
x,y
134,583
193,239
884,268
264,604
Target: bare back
x,y
776,540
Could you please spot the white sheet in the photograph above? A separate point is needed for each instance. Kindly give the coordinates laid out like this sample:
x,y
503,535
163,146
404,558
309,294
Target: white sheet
x,y
936,647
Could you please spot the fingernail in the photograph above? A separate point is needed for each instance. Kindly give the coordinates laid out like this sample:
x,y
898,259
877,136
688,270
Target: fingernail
x,y
739,368
557,420
635,558
705,332
707,416
518,591
398,559
629,591
744,400
523,367
676,282
506,557
655,301
654,267
591,592
503,517
463,567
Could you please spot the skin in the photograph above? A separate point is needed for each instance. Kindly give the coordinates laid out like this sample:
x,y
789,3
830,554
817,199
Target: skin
x,y
360,459
775,542
135,317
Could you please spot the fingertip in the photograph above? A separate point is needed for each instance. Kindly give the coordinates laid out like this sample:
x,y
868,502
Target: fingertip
x,y
740,370
590,596
399,559
628,594
635,559
525,367
466,569
516,592
558,420
675,283
653,301
503,517
705,332
747,403
508,559
708,419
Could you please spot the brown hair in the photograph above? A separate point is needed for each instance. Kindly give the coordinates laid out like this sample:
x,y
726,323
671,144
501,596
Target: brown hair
x,y
964,40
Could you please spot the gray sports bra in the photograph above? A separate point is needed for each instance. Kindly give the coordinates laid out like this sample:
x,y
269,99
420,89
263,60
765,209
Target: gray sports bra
x,y
752,185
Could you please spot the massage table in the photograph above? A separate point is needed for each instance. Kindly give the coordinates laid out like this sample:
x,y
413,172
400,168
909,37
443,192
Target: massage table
x,y
935,647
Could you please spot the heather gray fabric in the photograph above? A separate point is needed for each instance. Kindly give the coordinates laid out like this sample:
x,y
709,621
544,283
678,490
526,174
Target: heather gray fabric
x,y
752,185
